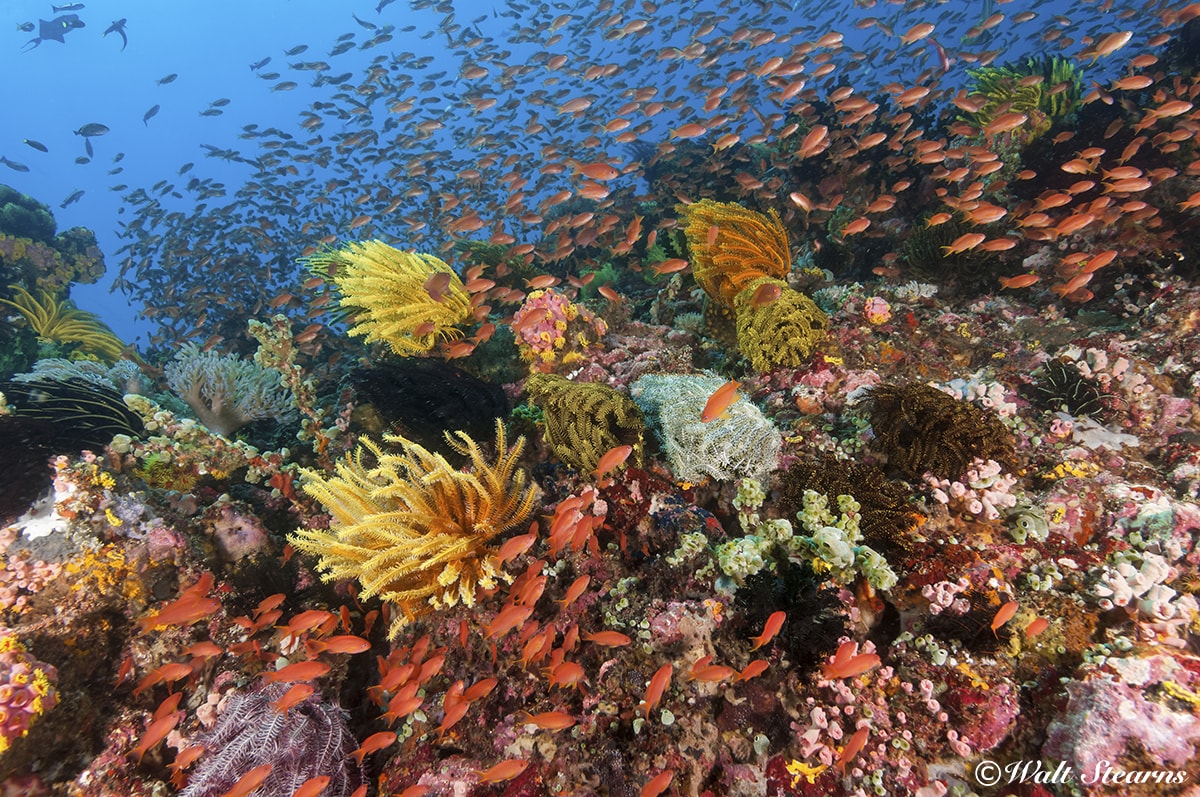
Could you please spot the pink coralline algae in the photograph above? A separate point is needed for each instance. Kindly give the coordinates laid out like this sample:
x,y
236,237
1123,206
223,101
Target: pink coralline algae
x,y
26,689
552,331
1104,714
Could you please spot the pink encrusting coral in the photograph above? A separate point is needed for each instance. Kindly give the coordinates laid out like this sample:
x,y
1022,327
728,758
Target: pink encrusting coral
x,y
26,689
554,333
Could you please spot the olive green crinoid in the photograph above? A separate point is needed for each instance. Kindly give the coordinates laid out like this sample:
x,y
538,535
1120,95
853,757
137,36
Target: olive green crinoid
x,y
414,530
1046,89
584,420
782,333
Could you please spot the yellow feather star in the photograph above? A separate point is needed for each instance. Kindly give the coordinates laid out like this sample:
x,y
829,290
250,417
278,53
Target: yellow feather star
x,y
57,322
385,289
746,246
412,528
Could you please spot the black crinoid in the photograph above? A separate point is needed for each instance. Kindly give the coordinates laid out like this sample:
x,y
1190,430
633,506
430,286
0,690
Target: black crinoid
x,y
1060,386
309,740
814,620
887,519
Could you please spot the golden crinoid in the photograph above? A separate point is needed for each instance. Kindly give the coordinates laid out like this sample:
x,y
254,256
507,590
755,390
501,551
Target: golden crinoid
x,y
745,246
412,528
397,297
58,322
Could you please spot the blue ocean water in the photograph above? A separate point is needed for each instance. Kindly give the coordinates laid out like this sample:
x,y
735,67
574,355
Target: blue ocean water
x,y
90,77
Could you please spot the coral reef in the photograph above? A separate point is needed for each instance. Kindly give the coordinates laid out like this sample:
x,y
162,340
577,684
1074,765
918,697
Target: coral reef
x,y
32,255
584,420
414,530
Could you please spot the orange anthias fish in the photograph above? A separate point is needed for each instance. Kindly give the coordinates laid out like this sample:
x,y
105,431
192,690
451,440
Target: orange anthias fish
x,y
300,671
658,784
247,783
312,787
1036,627
373,744
437,284
611,460
773,624
752,670
1003,615
658,685
1019,281
505,770
719,401
857,742
551,720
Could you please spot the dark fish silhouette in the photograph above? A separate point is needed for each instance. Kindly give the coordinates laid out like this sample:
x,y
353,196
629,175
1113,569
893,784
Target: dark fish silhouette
x,y
92,129
118,27
148,115
299,48
73,198
67,7
39,146
162,81
16,167
55,29
257,65
26,27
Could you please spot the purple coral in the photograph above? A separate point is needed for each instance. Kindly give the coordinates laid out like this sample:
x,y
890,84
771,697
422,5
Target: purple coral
x,y
1103,715
309,740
